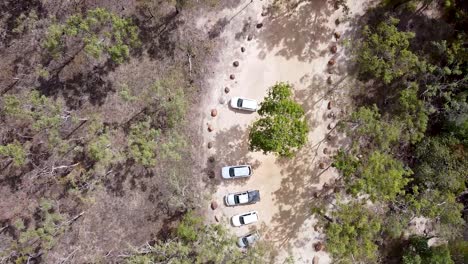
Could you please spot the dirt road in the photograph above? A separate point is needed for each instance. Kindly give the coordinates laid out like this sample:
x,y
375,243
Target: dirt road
x,y
290,47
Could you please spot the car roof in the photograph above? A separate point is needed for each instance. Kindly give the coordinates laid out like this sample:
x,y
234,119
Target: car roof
x,y
241,170
252,217
243,197
248,103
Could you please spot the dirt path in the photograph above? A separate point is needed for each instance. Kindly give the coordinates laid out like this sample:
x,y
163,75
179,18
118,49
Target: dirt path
x,y
293,47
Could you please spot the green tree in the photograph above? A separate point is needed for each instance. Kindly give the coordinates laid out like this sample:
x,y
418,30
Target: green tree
x,y
195,242
459,251
14,151
374,129
413,114
419,252
384,52
442,163
282,128
442,207
352,235
100,31
142,143
381,176
39,237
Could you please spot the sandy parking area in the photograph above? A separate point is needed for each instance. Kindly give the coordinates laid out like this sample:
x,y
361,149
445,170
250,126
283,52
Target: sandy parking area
x,y
292,47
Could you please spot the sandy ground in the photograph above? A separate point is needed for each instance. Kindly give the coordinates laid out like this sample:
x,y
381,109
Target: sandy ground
x,y
291,47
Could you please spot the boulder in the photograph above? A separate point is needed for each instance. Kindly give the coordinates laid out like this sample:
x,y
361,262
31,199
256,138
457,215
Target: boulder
x,y
316,260
211,159
330,105
210,145
329,80
217,218
226,89
322,165
337,35
232,76
242,49
319,246
334,49
211,174
210,128
259,25
331,115
249,37
325,151
214,205
337,21
214,112
330,71
331,62
236,64
331,126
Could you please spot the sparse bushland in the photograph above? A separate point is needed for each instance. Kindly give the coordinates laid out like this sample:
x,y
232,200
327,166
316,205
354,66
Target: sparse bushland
x,y
282,128
409,151
100,31
81,130
192,241
37,237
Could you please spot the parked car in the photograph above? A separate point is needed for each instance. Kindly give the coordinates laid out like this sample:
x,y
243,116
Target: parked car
x,y
240,171
248,240
239,198
244,104
244,219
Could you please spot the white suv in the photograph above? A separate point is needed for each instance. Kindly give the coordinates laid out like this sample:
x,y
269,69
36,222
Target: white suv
x,y
244,104
240,171
245,219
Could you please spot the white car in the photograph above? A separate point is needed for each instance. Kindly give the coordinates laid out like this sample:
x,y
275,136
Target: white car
x,y
248,240
244,104
248,197
240,171
244,219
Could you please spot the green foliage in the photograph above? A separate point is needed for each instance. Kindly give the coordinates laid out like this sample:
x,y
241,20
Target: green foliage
x,y
385,54
442,164
459,251
371,126
41,236
15,151
188,228
282,128
412,114
381,176
100,31
170,98
418,252
195,242
24,22
351,237
346,163
142,143
440,205
126,94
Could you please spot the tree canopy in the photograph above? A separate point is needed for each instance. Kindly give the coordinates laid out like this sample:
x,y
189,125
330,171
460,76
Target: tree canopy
x,y
282,128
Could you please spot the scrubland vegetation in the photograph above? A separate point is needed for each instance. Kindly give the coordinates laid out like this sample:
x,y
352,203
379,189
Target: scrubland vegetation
x,y
94,111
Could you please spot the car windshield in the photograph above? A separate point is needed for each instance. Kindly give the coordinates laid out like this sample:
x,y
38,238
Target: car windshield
x,y
231,172
239,103
236,199
241,220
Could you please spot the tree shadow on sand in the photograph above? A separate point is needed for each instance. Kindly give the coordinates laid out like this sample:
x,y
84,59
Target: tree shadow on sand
x,y
299,32
302,173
